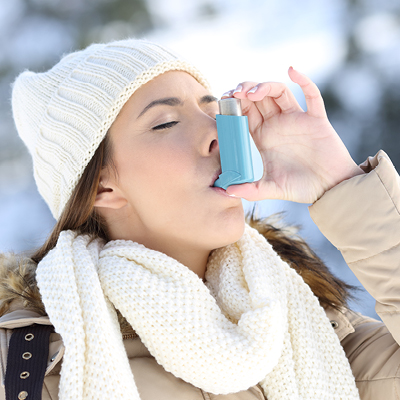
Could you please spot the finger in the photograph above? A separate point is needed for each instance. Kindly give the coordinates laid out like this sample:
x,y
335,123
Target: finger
x,y
270,98
251,95
240,90
259,111
279,92
255,191
265,104
314,101
227,94
240,93
245,190
248,107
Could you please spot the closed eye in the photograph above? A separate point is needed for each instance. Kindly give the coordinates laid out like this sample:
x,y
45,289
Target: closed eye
x,y
165,126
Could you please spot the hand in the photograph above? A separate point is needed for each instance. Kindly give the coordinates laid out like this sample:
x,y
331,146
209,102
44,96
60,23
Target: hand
x,y
302,155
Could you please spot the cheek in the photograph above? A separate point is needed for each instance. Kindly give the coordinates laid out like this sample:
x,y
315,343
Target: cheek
x,y
158,184
156,170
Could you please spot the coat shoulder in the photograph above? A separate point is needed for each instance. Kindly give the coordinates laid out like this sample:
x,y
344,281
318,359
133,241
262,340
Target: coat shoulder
x,y
374,356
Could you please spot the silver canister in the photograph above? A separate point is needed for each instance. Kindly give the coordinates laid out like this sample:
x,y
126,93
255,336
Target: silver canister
x,y
230,106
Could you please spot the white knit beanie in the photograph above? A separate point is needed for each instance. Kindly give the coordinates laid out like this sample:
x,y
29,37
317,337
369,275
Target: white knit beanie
x,y
63,114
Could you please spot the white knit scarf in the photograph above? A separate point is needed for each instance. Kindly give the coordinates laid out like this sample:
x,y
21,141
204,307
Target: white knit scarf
x,y
254,321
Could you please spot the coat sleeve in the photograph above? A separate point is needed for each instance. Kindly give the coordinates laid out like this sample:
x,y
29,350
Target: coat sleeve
x,y
361,217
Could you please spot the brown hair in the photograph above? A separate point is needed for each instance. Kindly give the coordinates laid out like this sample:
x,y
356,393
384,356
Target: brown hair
x,y
330,290
79,214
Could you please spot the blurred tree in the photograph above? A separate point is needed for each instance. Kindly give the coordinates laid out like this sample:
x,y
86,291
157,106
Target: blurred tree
x,y
363,95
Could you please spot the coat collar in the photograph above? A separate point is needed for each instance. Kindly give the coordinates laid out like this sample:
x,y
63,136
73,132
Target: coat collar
x,y
340,322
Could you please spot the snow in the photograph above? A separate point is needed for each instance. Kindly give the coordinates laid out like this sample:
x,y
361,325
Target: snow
x,y
359,89
378,32
38,41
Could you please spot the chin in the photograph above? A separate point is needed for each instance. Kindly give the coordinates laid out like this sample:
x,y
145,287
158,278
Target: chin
x,y
229,231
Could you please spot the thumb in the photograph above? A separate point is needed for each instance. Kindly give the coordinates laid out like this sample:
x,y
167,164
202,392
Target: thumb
x,y
254,191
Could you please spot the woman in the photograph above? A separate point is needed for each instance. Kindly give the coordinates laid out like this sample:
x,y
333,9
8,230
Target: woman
x,y
155,286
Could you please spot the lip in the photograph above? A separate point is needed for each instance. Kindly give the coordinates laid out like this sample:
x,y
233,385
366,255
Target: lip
x,y
222,192
215,177
216,189
219,190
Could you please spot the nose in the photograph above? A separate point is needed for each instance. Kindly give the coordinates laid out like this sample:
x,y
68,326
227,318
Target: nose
x,y
209,137
213,146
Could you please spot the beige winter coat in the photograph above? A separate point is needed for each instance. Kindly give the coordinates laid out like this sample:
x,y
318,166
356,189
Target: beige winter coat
x,y
361,218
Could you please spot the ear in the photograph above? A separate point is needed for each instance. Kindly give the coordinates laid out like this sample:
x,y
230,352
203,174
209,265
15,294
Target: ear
x,y
109,194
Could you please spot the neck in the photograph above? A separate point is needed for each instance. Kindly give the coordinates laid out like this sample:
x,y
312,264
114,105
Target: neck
x,y
193,258
184,251
196,262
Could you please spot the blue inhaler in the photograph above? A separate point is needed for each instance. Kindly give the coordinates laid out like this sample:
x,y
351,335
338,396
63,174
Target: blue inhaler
x,y
234,144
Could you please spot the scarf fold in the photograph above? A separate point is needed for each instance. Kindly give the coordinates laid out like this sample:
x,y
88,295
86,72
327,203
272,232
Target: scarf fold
x,y
254,321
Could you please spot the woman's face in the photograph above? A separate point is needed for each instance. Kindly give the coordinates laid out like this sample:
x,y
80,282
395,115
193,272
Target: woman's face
x,y
166,154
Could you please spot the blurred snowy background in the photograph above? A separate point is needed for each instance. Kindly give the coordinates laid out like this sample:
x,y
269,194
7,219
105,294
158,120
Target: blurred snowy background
x,y
350,48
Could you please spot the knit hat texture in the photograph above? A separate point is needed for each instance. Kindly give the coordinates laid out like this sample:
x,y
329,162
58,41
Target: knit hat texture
x,y
62,115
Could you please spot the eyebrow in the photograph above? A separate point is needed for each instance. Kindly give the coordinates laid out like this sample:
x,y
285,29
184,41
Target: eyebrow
x,y
175,101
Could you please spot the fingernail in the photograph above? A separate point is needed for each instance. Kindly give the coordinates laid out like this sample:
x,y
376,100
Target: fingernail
x,y
253,90
238,89
296,70
227,94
